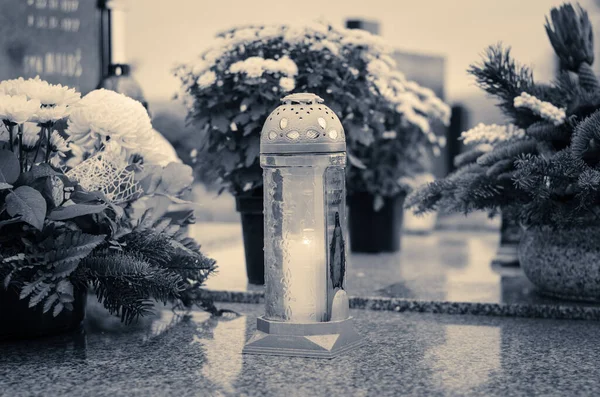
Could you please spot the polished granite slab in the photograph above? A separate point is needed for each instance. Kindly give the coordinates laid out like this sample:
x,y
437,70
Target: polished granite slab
x,y
412,354
447,271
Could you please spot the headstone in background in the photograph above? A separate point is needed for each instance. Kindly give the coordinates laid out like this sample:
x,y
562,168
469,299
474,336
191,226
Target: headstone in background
x,y
59,40
458,123
369,26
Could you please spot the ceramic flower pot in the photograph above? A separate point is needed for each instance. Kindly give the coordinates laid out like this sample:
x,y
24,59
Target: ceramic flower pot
x,y
563,263
251,211
18,321
375,231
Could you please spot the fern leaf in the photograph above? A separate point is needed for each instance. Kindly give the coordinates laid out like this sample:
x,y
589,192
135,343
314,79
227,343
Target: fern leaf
x,y
57,309
64,290
49,302
41,291
29,287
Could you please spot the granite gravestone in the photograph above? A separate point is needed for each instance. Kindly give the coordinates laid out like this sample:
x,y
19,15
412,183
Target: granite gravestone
x,y
59,40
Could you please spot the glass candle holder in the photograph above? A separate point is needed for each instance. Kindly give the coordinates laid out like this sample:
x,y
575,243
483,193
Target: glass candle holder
x,y
303,156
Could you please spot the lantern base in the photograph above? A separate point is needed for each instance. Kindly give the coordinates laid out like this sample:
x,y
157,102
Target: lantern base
x,y
314,340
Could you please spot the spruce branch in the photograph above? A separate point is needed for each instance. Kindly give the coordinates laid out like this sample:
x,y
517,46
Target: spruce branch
x,y
501,76
500,167
545,131
127,284
507,151
470,156
585,143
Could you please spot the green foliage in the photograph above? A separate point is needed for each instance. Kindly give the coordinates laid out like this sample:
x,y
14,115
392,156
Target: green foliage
x,y
550,177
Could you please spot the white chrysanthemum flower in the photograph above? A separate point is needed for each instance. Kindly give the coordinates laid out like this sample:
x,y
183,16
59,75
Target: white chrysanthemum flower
x,y
287,84
269,32
252,67
59,144
295,34
492,134
207,79
378,68
244,35
200,67
546,110
284,65
326,45
47,114
287,66
104,115
49,94
161,151
12,87
31,135
18,108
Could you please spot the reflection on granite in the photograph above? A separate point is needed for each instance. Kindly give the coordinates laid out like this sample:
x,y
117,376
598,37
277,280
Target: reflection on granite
x,y
404,354
448,271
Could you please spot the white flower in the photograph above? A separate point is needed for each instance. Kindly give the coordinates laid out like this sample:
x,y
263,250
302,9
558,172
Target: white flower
x,y
12,87
49,94
492,134
287,84
18,108
244,35
287,66
207,79
546,110
269,32
159,152
295,34
47,114
378,68
104,115
58,143
252,67
200,67
31,134
326,45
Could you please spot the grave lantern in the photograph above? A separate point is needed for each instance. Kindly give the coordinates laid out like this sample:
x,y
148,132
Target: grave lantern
x,y
303,156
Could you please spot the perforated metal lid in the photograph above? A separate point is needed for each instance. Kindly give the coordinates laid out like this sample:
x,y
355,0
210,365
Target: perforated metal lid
x,y
302,124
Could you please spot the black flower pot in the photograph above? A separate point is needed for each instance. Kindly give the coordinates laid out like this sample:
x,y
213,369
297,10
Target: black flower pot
x,y
18,321
375,231
251,211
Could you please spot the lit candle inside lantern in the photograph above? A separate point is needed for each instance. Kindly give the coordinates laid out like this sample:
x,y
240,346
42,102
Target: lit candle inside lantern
x,y
303,155
305,262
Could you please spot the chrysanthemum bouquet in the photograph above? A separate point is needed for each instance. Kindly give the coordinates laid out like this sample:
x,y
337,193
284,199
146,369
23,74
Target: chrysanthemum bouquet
x,y
233,86
543,166
88,197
